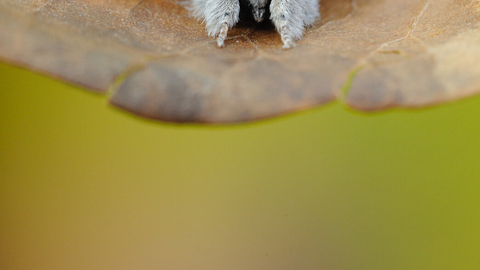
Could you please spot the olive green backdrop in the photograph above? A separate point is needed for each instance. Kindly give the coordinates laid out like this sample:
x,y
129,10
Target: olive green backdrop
x,y
85,186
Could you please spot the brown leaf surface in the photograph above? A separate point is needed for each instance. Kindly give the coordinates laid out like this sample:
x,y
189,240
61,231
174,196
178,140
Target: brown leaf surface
x,y
159,63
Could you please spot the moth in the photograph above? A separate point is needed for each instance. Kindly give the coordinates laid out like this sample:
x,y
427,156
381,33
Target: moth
x,y
290,17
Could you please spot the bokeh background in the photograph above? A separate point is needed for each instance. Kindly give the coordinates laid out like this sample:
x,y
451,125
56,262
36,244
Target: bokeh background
x,y
86,186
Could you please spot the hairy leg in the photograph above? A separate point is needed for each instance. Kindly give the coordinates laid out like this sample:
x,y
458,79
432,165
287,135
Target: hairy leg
x,y
219,16
312,11
291,17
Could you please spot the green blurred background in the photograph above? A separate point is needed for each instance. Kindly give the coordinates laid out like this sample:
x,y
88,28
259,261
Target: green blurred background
x,y
85,186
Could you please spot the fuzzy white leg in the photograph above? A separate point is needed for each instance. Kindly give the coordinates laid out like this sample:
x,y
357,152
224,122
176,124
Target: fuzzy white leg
x,y
312,11
291,17
223,35
288,42
220,16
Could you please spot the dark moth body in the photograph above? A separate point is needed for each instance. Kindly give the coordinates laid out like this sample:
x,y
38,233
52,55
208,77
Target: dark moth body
x,y
255,10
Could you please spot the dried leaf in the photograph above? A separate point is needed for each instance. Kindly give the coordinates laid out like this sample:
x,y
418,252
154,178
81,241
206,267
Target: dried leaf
x,y
159,63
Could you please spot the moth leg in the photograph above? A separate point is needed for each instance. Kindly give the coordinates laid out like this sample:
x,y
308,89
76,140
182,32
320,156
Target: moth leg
x,y
223,35
220,16
288,42
291,17
312,11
